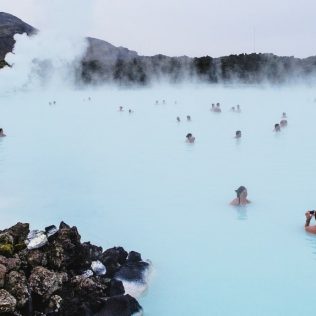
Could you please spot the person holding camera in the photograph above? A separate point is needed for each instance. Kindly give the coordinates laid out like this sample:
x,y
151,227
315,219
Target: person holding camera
x,y
309,215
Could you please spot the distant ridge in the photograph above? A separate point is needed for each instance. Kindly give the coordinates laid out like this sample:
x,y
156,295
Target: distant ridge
x,y
105,62
97,50
9,26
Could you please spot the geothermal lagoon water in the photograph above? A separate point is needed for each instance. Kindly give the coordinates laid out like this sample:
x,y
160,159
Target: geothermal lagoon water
x,y
131,180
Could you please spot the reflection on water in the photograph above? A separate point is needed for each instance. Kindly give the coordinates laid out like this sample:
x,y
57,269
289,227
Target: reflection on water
x,y
238,141
1,153
242,213
311,240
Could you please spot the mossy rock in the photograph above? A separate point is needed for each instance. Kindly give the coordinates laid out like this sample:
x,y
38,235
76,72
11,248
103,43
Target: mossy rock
x,y
6,238
6,250
19,247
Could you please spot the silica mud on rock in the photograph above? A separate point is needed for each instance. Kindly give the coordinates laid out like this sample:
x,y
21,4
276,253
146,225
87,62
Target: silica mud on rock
x,y
51,272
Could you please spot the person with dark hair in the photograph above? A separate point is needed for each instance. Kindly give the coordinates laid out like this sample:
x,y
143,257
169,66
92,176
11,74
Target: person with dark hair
x,y
130,111
277,127
232,109
283,123
213,107
190,138
309,215
188,118
178,119
283,115
238,134
218,108
120,108
2,134
241,198
238,108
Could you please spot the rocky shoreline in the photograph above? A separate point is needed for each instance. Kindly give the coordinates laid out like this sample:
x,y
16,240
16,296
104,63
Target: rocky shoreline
x,y
52,273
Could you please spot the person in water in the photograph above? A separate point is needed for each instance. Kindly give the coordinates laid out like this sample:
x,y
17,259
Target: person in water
x,y
283,115
190,138
232,109
120,109
213,107
238,134
309,215
130,111
238,108
283,123
178,119
188,118
277,127
241,198
2,134
218,108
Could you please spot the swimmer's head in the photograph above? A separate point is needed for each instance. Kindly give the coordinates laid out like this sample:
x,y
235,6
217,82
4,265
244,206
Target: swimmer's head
x,y
238,134
1,130
189,135
241,192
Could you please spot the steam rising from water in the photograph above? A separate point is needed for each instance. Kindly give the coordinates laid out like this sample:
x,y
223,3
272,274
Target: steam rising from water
x,y
52,56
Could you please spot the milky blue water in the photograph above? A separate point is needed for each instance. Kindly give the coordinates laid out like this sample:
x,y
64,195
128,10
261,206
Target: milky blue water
x,y
131,180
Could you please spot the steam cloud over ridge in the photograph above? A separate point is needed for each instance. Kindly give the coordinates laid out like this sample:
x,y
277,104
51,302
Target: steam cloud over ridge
x,y
52,56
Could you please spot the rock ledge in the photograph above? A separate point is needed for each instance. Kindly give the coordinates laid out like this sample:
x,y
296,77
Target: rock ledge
x,y
51,272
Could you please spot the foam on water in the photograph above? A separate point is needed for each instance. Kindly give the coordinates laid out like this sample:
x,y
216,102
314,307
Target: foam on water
x,y
137,288
131,180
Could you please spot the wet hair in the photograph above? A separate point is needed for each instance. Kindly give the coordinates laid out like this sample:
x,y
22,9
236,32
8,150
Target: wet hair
x,y
239,191
1,130
276,125
188,135
238,133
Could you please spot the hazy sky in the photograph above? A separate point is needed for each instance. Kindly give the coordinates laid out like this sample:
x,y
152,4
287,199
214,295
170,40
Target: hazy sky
x,y
190,27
